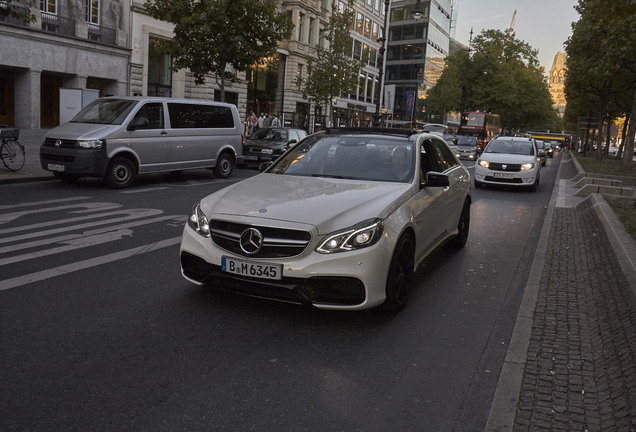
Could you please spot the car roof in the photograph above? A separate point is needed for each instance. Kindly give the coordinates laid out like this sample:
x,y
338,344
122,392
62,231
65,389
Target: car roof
x,y
514,138
396,132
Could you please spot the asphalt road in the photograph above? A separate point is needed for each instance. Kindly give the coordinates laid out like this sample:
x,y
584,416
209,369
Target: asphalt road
x,y
99,331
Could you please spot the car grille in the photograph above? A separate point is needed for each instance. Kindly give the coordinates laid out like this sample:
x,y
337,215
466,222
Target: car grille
x,y
495,166
57,158
277,242
50,142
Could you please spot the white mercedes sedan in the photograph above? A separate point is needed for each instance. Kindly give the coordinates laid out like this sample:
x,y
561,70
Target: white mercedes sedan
x,y
339,221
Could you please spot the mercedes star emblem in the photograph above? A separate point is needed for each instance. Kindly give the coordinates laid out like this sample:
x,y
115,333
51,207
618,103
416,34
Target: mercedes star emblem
x,y
251,241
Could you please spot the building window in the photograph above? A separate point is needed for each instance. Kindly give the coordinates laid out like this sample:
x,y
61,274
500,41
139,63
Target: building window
x,y
159,72
49,6
367,27
359,23
301,26
310,38
91,9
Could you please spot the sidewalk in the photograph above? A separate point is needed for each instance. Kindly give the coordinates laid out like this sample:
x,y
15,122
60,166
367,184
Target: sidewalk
x,y
571,362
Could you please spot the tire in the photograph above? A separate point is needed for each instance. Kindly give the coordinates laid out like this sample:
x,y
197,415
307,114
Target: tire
x,y
224,166
535,185
12,154
66,177
397,282
120,174
463,226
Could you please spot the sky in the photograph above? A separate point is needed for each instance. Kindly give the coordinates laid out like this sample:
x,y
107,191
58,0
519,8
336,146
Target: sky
x,y
543,24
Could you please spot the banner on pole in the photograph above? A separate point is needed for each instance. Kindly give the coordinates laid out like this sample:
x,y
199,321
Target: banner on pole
x,y
389,98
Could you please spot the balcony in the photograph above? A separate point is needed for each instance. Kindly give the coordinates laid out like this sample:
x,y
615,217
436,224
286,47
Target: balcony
x,y
57,24
17,15
102,34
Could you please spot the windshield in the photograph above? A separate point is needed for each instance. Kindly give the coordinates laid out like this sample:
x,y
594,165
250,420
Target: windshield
x,y
358,157
269,135
510,147
466,141
105,111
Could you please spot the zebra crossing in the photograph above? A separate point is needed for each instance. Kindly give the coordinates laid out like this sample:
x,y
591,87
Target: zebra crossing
x,y
31,233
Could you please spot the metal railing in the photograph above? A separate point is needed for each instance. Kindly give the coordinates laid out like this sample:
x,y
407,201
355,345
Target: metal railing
x,y
57,24
102,34
16,16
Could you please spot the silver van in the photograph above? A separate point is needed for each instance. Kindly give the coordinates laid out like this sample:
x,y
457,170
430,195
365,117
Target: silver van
x,y
117,138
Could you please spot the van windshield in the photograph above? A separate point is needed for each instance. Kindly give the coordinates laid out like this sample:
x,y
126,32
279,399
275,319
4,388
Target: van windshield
x,y
105,111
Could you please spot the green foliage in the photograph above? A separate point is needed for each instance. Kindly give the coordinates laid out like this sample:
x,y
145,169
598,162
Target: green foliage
x,y
501,76
10,11
601,66
220,37
332,71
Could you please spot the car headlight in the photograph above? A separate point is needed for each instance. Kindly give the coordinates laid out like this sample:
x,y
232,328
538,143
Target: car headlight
x,y
527,166
199,222
484,163
267,151
91,144
359,236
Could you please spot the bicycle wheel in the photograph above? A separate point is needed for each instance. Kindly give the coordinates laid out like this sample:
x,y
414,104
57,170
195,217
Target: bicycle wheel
x,y
12,154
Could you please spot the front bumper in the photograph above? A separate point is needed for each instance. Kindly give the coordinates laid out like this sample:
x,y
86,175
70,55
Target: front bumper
x,y
349,280
518,178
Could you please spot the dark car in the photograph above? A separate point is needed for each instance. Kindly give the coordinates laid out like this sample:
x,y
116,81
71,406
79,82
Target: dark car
x,y
466,147
267,144
549,148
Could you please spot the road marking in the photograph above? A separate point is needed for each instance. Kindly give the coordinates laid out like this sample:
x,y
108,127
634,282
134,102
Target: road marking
x,y
82,265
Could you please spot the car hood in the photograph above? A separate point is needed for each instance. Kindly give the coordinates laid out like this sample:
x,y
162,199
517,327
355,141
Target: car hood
x,y
263,143
508,158
76,131
328,204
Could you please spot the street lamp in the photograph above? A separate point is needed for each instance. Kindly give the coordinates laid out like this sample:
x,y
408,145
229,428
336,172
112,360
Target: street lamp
x,y
417,14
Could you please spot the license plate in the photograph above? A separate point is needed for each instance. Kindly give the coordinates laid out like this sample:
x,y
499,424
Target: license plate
x,y
250,157
252,269
56,167
503,175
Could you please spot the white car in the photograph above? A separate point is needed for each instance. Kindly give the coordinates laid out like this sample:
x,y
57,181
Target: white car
x,y
339,221
512,161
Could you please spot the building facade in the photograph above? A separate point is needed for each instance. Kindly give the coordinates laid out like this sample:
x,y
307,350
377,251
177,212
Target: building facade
x,y
556,83
416,52
109,47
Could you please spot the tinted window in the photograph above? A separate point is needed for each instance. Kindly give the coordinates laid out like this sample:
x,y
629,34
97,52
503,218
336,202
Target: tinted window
x,y
154,113
185,116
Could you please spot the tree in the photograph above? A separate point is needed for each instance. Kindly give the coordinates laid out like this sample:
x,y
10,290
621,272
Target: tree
x,y
20,14
601,72
502,76
220,37
332,71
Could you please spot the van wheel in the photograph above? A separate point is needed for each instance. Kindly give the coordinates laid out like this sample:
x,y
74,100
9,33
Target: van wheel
x,y
120,174
224,165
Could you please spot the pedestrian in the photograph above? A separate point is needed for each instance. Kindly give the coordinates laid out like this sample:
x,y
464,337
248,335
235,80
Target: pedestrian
x,y
267,122
260,120
252,122
275,121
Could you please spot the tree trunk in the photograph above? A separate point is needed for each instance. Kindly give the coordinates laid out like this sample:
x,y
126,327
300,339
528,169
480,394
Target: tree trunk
x,y
629,140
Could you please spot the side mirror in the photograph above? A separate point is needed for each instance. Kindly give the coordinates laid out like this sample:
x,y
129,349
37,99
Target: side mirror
x,y
436,179
138,123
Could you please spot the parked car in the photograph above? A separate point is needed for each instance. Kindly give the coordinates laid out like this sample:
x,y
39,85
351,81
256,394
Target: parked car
x,y
340,221
542,151
467,147
512,161
119,137
267,144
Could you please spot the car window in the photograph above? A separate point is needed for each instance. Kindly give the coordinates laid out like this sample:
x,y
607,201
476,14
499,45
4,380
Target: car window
x,y
444,156
154,113
510,147
359,157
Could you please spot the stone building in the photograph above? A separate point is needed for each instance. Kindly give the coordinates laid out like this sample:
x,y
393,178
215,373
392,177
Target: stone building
x,y
107,47
557,82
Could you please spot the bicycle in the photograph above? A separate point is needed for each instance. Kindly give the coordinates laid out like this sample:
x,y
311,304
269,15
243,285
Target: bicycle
x,y
11,151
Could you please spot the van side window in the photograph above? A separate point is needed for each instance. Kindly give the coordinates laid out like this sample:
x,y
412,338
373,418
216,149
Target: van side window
x,y
185,116
154,113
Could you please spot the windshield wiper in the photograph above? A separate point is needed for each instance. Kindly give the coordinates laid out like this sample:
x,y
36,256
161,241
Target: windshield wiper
x,y
333,176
